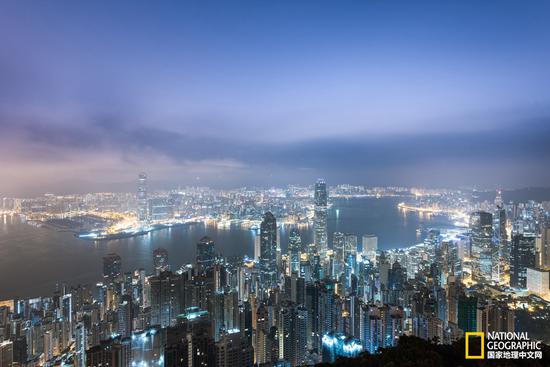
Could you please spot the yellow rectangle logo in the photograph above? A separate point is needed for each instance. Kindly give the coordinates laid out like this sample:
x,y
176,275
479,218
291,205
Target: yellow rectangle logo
x,y
479,334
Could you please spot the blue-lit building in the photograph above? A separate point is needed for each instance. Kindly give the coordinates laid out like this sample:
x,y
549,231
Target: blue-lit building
x,y
148,347
339,345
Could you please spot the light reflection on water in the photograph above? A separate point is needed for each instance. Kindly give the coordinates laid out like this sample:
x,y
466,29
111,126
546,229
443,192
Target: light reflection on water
x,y
33,260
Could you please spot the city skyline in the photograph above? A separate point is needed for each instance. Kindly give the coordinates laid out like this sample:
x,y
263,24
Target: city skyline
x,y
274,183
428,94
312,292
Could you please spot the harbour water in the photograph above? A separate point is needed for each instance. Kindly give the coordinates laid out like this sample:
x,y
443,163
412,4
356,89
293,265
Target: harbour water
x,y
33,260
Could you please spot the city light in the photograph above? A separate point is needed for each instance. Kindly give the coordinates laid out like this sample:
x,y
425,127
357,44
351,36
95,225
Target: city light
x,y
274,183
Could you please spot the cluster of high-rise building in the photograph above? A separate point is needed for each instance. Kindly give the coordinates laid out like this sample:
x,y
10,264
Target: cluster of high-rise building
x,y
338,296
510,246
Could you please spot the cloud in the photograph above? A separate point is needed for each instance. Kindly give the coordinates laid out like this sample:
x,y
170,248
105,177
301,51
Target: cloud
x,y
110,151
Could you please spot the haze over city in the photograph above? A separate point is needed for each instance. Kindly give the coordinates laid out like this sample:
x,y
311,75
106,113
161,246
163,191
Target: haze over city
x,y
438,94
274,183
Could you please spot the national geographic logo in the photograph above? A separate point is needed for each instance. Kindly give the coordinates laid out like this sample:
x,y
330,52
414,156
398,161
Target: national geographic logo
x,y
475,345
501,345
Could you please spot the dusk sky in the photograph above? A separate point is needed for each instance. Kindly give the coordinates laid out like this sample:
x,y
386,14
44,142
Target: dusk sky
x,y
442,93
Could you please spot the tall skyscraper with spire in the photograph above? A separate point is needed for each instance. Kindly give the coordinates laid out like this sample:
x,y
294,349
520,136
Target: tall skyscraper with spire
x,y
268,248
142,197
320,217
499,231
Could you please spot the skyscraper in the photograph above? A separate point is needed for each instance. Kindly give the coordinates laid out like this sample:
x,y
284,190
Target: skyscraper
x,y
350,257
370,246
467,313
339,345
261,335
501,238
292,328
499,203
111,352
294,250
81,344
233,350
125,316
522,256
257,247
544,239
142,197
320,216
338,245
160,260
205,253
481,235
268,249
350,247
167,294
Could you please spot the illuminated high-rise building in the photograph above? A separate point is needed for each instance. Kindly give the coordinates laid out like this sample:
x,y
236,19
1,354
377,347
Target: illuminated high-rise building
x,y
81,344
111,352
538,281
350,258
337,345
467,313
481,243
261,335
522,256
544,246
205,253
320,217
495,317
499,203
370,246
294,250
167,294
268,249
257,246
160,208
125,316
292,328
338,246
142,212
287,337
147,347
499,228
380,327
350,247
233,350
